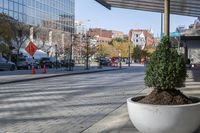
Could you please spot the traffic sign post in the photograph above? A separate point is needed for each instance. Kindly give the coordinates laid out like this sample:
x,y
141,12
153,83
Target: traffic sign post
x,y
31,48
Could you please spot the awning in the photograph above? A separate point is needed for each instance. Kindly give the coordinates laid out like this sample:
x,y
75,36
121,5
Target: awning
x,y
178,7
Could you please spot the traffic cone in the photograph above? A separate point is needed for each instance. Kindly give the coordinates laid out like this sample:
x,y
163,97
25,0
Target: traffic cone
x,y
44,69
33,69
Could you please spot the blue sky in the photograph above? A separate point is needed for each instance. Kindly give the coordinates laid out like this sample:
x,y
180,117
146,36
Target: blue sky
x,y
123,19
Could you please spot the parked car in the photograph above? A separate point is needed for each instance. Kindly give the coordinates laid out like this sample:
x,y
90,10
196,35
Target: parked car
x,y
105,62
47,61
127,61
55,62
6,65
67,63
195,65
22,64
31,62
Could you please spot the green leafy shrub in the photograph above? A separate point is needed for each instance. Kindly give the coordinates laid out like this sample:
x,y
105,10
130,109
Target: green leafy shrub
x,y
166,68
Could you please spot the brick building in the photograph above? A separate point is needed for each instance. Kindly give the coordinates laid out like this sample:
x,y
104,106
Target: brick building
x,y
141,37
104,36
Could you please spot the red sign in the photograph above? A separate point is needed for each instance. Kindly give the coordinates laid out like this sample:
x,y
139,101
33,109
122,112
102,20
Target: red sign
x,y
31,48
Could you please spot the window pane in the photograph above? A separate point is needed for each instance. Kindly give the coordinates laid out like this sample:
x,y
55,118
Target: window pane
x,y
10,5
1,3
21,1
16,7
11,14
20,9
5,4
16,15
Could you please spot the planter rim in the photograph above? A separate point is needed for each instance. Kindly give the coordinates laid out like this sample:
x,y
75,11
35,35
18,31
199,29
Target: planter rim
x,y
167,106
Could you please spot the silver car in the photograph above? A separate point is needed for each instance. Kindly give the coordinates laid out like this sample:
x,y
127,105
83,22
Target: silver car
x,y
6,65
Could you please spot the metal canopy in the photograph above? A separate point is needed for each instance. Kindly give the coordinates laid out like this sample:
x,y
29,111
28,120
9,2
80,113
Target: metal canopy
x,y
178,7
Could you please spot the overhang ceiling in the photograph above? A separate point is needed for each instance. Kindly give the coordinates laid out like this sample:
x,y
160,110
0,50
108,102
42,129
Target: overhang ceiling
x,y
178,7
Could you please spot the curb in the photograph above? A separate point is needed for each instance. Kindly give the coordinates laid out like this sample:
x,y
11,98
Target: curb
x,y
57,75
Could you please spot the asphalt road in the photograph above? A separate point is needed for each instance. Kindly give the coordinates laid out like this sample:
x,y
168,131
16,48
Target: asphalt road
x,y
68,104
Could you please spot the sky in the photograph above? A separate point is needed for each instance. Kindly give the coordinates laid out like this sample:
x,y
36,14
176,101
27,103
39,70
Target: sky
x,y
95,15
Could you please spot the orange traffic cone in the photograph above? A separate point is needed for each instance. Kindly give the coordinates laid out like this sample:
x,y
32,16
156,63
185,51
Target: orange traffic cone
x,y
44,69
33,69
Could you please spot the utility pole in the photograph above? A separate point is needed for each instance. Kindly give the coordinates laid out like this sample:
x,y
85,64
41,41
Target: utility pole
x,y
70,56
87,52
129,55
56,52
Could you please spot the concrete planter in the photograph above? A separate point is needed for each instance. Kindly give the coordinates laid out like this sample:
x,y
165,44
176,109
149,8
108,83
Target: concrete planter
x,y
164,118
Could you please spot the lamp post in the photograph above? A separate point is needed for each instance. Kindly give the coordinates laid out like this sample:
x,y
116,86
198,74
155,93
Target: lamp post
x,y
70,54
81,58
87,51
100,63
56,53
120,60
129,55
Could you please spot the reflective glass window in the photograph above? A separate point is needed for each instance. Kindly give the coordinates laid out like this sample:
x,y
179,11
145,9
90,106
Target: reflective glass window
x,y
11,13
20,17
16,7
5,11
20,8
1,3
21,1
5,4
10,5
16,15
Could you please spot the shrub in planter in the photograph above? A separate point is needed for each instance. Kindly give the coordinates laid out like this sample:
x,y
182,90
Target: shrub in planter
x,y
166,71
165,109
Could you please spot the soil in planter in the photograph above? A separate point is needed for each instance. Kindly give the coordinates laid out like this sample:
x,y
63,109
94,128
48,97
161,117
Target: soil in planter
x,y
166,97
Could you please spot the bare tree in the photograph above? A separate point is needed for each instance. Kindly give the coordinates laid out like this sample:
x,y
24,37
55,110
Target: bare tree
x,y
21,33
57,41
67,43
42,35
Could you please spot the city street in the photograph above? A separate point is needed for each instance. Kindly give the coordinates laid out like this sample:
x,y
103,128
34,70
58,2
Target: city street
x,y
67,104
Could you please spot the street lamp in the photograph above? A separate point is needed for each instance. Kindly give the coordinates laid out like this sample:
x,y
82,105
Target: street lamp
x,y
70,55
129,55
87,51
120,58
56,53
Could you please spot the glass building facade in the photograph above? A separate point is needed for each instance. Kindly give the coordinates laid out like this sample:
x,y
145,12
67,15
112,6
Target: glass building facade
x,y
52,14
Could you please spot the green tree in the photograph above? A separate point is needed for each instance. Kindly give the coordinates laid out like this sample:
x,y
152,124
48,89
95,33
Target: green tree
x,y
13,32
122,46
166,68
4,49
6,34
137,53
106,50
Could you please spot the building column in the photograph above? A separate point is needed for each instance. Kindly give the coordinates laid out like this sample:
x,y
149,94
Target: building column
x,y
31,34
186,53
167,17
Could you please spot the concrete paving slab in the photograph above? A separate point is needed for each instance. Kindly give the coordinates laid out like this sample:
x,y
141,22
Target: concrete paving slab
x,y
118,121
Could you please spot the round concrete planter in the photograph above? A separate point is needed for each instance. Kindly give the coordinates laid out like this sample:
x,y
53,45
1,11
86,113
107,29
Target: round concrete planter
x,y
149,118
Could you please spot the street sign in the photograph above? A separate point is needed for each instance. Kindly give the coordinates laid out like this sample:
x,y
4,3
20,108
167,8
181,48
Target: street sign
x,y
31,48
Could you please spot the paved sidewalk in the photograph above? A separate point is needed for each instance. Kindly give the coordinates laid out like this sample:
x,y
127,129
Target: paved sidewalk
x,y
115,122
118,121
25,75
68,104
